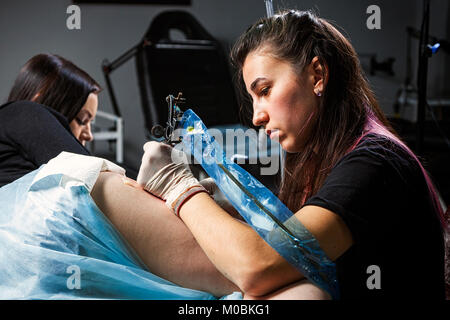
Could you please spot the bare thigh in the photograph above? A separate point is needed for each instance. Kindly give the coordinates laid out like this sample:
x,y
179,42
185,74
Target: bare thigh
x,y
161,240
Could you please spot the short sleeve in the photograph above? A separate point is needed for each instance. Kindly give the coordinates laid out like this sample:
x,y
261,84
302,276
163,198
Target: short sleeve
x,y
37,132
356,189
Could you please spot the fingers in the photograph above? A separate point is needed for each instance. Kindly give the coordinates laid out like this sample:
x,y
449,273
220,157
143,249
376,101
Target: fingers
x,y
148,145
157,151
142,177
155,147
156,156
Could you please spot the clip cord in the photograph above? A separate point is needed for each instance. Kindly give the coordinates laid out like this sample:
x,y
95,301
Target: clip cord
x,y
299,244
255,200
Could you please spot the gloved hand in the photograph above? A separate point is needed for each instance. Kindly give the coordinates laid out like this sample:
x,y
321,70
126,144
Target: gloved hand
x,y
165,173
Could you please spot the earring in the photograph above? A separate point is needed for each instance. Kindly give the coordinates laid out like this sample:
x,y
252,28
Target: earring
x,y
318,93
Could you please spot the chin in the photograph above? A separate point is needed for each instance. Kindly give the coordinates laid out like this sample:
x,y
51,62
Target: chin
x,y
290,147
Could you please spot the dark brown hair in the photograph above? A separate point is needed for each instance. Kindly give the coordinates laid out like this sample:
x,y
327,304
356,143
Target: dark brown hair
x,y
55,82
297,37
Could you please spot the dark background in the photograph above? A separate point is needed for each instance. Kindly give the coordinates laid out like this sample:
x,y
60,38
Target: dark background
x,y
108,30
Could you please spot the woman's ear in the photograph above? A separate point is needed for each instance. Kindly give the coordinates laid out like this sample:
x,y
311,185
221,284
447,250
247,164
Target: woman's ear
x,y
320,73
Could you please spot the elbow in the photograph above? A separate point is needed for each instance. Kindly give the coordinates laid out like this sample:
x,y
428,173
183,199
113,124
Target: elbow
x,y
257,278
256,284
253,288
261,269
263,274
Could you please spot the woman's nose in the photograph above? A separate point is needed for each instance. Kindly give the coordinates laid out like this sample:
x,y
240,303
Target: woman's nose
x,y
87,134
260,118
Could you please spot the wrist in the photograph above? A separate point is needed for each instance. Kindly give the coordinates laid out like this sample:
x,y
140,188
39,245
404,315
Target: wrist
x,y
193,203
185,196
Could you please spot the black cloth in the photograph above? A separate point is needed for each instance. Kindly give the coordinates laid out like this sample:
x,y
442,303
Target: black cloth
x,y
379,191
30,135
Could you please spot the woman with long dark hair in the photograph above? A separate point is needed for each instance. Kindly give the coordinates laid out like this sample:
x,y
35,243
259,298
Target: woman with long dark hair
x,y
348,177
49,110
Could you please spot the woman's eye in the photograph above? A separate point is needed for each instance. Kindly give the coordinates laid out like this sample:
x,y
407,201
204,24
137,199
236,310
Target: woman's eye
x,y
81,122
264,91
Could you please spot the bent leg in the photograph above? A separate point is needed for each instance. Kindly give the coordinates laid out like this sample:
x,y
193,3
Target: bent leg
x,y
301,290
161,239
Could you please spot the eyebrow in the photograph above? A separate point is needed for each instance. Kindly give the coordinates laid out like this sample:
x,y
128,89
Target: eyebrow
x,y
254,83
88,113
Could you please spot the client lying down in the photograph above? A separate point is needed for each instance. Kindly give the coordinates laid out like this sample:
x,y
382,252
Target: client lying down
x,y
72,229
57,244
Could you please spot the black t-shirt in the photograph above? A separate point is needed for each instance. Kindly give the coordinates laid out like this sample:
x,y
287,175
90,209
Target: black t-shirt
x,y
30,135
379,191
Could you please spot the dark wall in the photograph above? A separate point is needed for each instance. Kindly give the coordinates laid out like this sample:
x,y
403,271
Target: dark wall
x,y
107,31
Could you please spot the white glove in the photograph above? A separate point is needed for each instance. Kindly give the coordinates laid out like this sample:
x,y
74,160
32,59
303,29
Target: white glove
x,y
164,172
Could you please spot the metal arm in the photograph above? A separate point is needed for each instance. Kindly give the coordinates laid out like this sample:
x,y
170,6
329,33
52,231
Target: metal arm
x,y
108,67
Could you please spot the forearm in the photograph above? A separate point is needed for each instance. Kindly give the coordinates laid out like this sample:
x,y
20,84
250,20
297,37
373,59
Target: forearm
x,y
235,248
160,239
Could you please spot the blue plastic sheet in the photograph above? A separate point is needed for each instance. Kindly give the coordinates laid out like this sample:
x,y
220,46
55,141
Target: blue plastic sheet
x,y
56,244
261,209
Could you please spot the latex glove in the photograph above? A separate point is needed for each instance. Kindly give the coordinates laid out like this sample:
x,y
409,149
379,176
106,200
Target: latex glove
x,y
165,173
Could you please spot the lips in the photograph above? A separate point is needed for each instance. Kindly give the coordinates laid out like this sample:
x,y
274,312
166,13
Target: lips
x,y
273,134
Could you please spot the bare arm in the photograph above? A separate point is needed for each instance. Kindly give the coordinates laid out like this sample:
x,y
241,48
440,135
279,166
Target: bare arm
x,y
245,258
161,240
300,290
